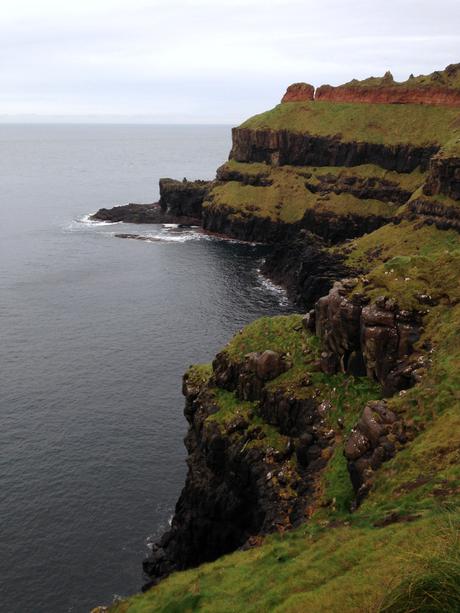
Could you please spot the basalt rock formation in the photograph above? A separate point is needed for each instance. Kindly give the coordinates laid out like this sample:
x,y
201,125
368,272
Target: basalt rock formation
x,y
183,198
241,482
341,422
359,338
282,147
375,439
180,202
305,267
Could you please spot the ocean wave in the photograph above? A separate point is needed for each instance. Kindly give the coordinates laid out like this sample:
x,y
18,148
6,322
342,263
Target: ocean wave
x,y
268,285
86,219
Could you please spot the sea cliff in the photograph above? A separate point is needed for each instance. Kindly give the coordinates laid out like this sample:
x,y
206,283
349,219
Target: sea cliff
x,y
321,444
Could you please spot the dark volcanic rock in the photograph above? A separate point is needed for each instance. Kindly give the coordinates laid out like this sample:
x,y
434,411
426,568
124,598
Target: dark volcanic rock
x,y
141,214
374,440
305,268
367,339
132,213
183,198
444,177
360,187
280,147
245,227
336,228
180,202
234,492
443,216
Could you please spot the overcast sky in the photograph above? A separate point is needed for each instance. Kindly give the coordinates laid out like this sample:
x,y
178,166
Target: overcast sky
x,y
213,61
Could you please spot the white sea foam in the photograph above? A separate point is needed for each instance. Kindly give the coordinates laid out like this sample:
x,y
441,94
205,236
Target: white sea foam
x,y
279,291
86,219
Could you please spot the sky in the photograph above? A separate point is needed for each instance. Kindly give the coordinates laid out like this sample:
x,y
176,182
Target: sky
x,y
205,61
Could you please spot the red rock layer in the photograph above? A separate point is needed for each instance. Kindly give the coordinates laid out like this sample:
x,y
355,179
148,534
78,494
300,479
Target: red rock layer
x,y
390,95
299,92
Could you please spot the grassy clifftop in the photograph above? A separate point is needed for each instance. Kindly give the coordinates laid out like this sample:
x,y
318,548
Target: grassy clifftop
x,y
374,123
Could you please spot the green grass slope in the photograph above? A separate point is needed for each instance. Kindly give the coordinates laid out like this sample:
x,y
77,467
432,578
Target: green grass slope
x,y
284,196
389,124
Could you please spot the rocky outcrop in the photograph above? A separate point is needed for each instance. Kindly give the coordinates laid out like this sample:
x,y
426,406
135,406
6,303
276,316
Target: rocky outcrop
x,y
443,177
180,202
377,436
279,147
183,198
445,216
132,213
389,94
244,225
360,338
305,268
299,92
238,487
359,187
336,228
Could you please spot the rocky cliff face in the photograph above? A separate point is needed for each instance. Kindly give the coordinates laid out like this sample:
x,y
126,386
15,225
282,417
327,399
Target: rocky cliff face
x,y
362,338
281,147
183,198
244,479
443,176
305,267
263,426
180,202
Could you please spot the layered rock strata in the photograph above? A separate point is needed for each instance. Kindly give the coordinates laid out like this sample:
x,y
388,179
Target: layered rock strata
x,y
281,147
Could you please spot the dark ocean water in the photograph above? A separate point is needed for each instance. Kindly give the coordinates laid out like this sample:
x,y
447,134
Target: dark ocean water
x,y
95,335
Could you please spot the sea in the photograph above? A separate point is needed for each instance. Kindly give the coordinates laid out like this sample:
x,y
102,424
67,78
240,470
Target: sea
x,y
95,335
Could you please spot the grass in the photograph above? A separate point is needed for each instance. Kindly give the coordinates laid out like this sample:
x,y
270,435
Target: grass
x,y
229,408
287,199
406,261
434,587
403,239
408,181
306,570
374,123
283,334
439,78
199,374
